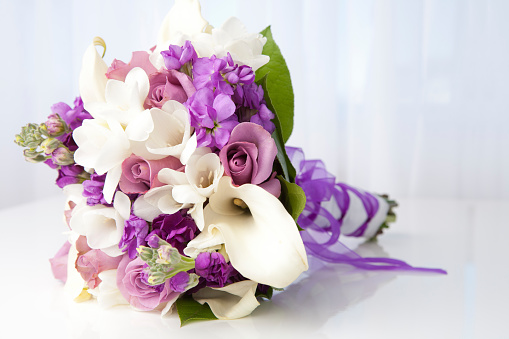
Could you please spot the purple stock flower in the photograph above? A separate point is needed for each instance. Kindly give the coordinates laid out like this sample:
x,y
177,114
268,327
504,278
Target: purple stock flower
x,y
215,270
68,175
72,116
207,73
135,231
176,56
93,189
212,114
251,106
179,282
176,229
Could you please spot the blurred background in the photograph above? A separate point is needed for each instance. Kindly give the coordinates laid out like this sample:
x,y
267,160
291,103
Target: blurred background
x,y
404,97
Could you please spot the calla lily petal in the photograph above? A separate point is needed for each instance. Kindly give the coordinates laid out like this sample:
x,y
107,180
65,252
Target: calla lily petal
x,y
234,301
93,79
260,237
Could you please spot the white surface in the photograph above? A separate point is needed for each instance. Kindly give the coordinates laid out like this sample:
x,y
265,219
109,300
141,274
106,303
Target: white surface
x,y
468,239
406,97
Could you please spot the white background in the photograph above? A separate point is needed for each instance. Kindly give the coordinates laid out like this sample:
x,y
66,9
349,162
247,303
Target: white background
x,y
404,97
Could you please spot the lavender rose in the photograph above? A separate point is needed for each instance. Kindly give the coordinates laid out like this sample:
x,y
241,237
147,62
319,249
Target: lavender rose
x,y
249,154
132,283
168,85
140,175
59,262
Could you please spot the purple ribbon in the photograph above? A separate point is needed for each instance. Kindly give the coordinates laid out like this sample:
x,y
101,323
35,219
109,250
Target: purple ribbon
x,y
322,228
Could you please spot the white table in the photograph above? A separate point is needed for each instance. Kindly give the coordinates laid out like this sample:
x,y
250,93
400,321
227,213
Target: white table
x,y
468,239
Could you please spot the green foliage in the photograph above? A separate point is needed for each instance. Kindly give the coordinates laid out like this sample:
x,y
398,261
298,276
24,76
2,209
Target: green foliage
x,y
279,83
292,197
190,310
286,167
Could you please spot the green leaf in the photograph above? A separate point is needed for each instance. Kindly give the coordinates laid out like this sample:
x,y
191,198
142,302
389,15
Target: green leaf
x,y
190,310
287,169
266,295
279,83
292,197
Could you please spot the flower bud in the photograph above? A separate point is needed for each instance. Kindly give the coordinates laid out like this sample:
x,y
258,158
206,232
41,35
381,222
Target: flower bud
x,y
49,145
54,126
62,156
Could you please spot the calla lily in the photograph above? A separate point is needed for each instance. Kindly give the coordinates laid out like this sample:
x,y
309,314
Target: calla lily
x,y
92,82
103,226
259,235
182,22
234,301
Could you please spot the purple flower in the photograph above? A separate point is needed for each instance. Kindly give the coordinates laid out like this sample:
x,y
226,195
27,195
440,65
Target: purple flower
x,y
72,116
249,155
135,231
251,106
240,75
132,283
54,125
212,114
168,85
68,175
176,229
176,56
62,156
215,270
179,282
93,189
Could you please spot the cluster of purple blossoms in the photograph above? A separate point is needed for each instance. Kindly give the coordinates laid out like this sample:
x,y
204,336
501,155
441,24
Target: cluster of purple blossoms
x,y
225,96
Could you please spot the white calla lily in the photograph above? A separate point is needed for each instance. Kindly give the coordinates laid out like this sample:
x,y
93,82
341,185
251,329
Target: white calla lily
x,y
234,301
260,237
92,82
183,21
123,100
103,226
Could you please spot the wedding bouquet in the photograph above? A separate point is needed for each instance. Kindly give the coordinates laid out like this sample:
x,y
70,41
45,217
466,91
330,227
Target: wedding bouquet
x,y
180,190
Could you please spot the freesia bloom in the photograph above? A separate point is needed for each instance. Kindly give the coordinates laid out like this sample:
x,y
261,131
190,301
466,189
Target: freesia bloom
x,y
103,226
260,237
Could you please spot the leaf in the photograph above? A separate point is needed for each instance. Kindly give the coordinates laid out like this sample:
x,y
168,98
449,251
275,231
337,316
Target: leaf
x,y
279,83
292,197
287,169
190,310
265,294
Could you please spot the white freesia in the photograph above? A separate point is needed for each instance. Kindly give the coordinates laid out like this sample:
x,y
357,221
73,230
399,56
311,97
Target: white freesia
x,y
183,21
107,292
185,190
170,135
260,237
103,226
233,37
123,99
234,301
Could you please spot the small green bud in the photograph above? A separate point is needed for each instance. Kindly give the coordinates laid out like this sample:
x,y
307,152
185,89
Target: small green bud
x,y
50,144
62,156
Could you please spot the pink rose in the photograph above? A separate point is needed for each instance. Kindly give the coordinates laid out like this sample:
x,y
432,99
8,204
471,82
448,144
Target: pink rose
x,y
168,85
132,283
249,155
59,262
92,262
119,69
140,175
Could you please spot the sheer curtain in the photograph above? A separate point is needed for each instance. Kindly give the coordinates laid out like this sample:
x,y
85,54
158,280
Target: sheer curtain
x,y
405,97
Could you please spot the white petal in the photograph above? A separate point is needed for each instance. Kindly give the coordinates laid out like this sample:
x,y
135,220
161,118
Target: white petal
x,y
185,194
93,79
205,241
230,302
122,204
143,209
168,308
263,241
188,149
75,283
111,182
184,17
140,127
108,293
162,199
172,177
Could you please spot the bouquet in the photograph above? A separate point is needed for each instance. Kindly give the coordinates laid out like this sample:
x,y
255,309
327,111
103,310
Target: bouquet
x,y
179,188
